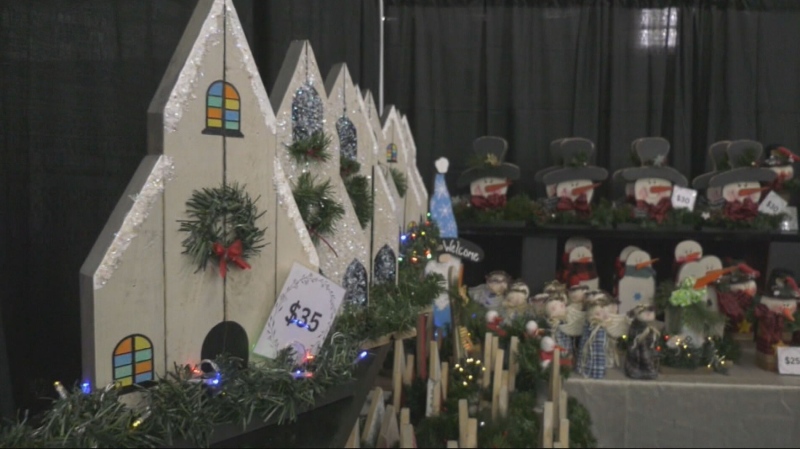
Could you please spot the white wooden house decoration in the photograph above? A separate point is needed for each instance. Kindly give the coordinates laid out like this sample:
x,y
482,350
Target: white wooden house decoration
x,y
144,304
413,167
302,108
397,155
383,145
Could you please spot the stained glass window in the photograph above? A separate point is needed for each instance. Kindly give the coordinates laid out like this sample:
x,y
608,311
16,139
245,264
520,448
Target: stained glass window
x,y
133,360
348,138
385,267
391,153
355,283
223,110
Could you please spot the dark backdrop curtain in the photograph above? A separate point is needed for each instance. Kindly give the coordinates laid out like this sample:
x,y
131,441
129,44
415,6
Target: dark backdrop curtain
x,y
693,72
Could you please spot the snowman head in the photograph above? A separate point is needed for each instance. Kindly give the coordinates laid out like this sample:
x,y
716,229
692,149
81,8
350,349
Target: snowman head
x,y
638,258
784,306
547,344
531,327
739,191
581,254
784,172
491,316
489,186
652,190
688,251
748,286
574,188
623,255
442,164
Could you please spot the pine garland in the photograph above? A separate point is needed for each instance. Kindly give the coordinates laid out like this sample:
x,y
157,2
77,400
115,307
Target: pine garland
x,y
318,208
359,189
313,148
400,181
221,215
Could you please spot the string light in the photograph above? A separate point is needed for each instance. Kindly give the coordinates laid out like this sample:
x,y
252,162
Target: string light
x,y
62,392
86,388
140,420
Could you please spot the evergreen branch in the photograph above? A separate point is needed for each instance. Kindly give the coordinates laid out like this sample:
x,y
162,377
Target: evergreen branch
x,y
318,208
400,181
359,189
313,148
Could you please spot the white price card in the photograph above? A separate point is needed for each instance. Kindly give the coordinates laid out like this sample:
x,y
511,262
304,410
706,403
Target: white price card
x,y
683,198
789,360
302,315
772,204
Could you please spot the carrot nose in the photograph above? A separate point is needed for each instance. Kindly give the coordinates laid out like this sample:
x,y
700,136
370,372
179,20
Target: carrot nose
x,y
584,260
788,314
748,192
496,187
711,276
690,257
645,264
584,189
660,189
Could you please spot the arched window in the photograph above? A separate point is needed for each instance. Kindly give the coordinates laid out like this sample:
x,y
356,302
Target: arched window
x,y
133,360
348,138
227,337
385,267
223,110
355,283
306,112
391,152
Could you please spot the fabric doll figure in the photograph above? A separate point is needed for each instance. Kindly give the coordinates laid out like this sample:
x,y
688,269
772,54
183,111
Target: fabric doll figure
x,y
597,344
515,302
565,323
641,360
493,291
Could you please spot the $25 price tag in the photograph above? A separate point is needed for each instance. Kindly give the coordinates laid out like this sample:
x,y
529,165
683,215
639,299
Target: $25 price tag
x,y
302,315
683,198
789,360
772,204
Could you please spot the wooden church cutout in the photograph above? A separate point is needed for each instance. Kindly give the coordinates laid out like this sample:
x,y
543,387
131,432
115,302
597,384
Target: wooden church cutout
x,y
384,228
381,160
302,108
142,299
413,168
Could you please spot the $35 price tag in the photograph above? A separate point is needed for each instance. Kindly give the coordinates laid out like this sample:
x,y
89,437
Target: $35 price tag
x,y
303,317
789,360
683,198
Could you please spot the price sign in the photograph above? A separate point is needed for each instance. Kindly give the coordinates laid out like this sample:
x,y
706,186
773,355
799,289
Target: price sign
x,y
302,315
772,204
789,360
683,198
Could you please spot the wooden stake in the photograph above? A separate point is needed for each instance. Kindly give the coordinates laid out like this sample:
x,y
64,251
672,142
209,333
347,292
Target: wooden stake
x,y
463,419
502,401
452,443
408,374
472,432
354,440
563,433
374,417
555,388
445,372
389,434
405,416
407,438
487,360
422,346
513,364
497,382
547,427
495,347
562,406
397,374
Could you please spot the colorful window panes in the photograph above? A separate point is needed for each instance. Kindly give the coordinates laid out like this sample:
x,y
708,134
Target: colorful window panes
x,y
133,360
391,153
223,110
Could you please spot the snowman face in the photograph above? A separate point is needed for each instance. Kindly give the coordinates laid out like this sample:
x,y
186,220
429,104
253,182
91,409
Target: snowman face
x,y
694,270
652,190
733,192
687,251
580,254
778,305
567,189
748,287
548,344
488,186
710,263
555,309
784,171
623,256
637,257
714,194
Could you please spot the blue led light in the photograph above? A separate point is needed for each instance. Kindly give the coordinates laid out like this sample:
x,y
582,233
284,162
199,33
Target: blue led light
x,y
86,388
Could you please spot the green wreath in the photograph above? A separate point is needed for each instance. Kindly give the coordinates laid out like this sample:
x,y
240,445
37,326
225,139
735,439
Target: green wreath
x,y
318,208
313,148
222,224
359,189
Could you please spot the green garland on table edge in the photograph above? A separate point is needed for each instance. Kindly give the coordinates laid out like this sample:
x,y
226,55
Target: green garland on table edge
x,y
221,215
177,409
318,208
602,216
674,218
313,148
359,189
761,222
517,208
400,181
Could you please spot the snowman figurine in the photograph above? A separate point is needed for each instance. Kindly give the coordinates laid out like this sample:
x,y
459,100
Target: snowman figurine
x,y
569,245
570,188
619,266
781,160
488,181
705,272
685,252
735,295
638,286
582,269
718,155
653,181
777,305
742,185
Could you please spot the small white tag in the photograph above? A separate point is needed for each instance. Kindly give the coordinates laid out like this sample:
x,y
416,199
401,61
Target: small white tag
x,y
773,204
789,360
790,222
683,198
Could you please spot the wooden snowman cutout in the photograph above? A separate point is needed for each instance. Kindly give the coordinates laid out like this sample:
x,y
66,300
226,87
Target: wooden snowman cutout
x,y
653,181
571,187
638,286
582,268
718,155
703,272
488,183
569,245
742,185
685,252
619,266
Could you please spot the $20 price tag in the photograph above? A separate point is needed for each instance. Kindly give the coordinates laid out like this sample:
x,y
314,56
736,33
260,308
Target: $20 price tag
x,y
683,198
302,315
789,360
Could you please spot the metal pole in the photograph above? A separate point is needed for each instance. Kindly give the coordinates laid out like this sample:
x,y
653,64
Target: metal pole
x,y
380,61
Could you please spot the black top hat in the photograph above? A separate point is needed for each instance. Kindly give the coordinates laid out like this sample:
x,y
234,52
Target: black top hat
x,y
576,154
743,156
781,285
652,152
717,154
491,151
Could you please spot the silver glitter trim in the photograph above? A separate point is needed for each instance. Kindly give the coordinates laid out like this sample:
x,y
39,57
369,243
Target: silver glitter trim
x,y
151,191
183,92
286,202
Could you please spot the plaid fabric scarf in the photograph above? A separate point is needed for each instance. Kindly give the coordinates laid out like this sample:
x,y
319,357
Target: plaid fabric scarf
x,y
581,272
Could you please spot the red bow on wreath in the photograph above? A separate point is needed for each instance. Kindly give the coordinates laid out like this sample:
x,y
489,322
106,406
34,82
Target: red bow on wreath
x,y
232,253
493,201
580,205
657,212
741,211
